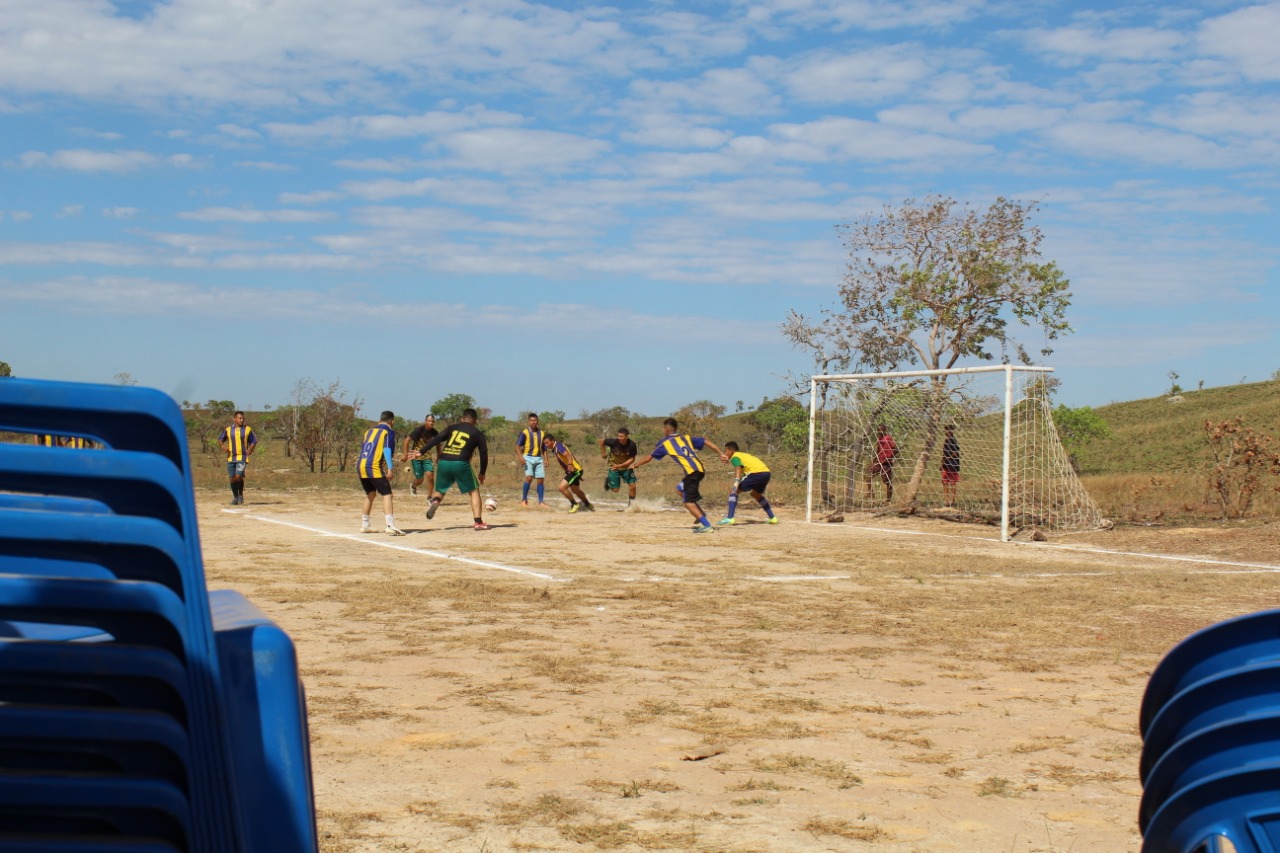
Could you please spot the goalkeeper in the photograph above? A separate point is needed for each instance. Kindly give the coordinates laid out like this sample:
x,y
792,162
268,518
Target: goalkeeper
x,y
755,479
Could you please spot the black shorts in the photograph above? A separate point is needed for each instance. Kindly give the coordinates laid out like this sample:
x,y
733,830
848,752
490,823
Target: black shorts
x,y
691,483
574,478
381,485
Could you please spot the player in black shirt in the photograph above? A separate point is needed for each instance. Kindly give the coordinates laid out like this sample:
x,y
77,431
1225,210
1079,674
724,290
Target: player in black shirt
x,y
458,443
423,466
620,452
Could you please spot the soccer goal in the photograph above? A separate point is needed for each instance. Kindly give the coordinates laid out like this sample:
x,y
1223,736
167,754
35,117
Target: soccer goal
x,y
973,444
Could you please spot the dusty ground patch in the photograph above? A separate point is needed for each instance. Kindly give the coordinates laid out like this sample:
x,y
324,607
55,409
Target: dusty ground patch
x,y
874,690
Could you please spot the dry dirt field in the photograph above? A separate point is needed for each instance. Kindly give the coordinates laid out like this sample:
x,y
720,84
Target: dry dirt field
x,y
875,685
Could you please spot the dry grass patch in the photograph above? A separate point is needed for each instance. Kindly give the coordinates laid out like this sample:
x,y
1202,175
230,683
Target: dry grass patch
x,y
845,829
441,814
544,810
804,765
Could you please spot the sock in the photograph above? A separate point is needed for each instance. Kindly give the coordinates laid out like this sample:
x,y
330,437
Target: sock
x,y
702,519
524,492
542,492
479,520
391,521
572,502
764,505
733,507
364,521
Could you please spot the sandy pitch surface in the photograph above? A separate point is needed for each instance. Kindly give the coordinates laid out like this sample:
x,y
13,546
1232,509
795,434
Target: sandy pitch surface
x,y
916,687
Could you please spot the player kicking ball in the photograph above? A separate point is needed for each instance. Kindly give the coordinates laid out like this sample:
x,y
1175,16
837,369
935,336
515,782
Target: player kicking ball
x,y
458,443
754,478
683,449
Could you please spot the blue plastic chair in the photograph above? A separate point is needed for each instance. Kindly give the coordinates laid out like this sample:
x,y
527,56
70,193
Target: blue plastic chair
x,y
1229,746
1238,642
1241,806
1231,695
106,542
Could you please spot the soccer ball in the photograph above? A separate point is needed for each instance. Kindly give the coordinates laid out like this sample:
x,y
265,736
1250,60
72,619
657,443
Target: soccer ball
x,y
490,505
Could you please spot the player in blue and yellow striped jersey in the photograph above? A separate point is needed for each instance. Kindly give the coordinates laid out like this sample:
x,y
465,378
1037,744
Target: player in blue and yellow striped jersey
x,y
529,449
571,484
683,449
239,442
376,467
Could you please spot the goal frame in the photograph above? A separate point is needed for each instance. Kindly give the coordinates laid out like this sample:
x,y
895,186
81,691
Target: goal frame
x,y
1007,369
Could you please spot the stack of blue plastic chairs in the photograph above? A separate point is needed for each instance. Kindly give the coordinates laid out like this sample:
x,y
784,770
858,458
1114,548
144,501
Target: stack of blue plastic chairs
x,y
1210,723
138,711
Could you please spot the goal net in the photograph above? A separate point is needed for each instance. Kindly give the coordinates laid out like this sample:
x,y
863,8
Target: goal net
x,y
972,444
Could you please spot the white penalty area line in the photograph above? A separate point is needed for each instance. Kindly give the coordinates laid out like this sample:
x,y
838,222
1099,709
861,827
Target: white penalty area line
x,y
1236,567
382,543
793,578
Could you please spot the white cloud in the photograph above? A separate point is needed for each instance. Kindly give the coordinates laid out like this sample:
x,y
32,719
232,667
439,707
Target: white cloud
x,y
250,215
726,91
858,14
120,212
512,150
16,215
70,210
317,197
1141,144
84,160
1247,39
390,126
265,165
864,76
235,131
1079,43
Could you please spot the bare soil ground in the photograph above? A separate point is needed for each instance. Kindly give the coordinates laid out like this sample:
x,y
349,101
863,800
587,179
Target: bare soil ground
x,y
875,685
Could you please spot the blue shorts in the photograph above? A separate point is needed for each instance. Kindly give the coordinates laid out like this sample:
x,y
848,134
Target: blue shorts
x,y
533,467
757,482
236,469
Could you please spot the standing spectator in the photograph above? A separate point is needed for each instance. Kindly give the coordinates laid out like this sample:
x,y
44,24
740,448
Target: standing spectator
x,y
375,468
950,466
239,442
886,453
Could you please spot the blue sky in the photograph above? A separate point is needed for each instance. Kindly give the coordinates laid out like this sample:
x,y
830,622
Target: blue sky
x,y
549,205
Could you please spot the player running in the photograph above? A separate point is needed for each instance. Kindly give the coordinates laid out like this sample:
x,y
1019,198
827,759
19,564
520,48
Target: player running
x,y
423,466
754,479
458,443
620,451
682,448
571,484
529,451
376,467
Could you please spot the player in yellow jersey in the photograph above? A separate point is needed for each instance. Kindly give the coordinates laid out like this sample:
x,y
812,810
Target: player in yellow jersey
x,y
754,479
239,442
571,485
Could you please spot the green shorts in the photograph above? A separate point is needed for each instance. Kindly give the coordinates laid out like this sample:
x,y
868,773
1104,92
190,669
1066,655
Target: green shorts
x,y
452,471
422,467
613,480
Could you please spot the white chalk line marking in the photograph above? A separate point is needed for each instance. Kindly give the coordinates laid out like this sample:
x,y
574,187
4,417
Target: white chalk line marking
x,y
382,543
790,578
1244,568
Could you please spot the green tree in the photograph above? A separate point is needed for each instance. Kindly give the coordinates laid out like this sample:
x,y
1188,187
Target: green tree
x,y
784,423
604,423
207,421
935,282
1077,427
699,418
448,409
5,370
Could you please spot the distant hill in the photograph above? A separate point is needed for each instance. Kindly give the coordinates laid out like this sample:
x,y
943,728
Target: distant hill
x,y
1156,436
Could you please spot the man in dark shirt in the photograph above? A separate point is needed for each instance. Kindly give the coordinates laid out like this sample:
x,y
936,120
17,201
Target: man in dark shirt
x,y
620,451
458,443
423,466
950,466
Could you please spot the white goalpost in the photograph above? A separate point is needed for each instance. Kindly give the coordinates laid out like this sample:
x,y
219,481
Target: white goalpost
x,y
972,444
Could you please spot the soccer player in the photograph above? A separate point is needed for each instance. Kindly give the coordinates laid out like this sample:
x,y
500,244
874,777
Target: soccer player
x,y
620,451
423,466
571,484
529,451
458,443
886,453
375,468
682,448
950,466
755,479
239,442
